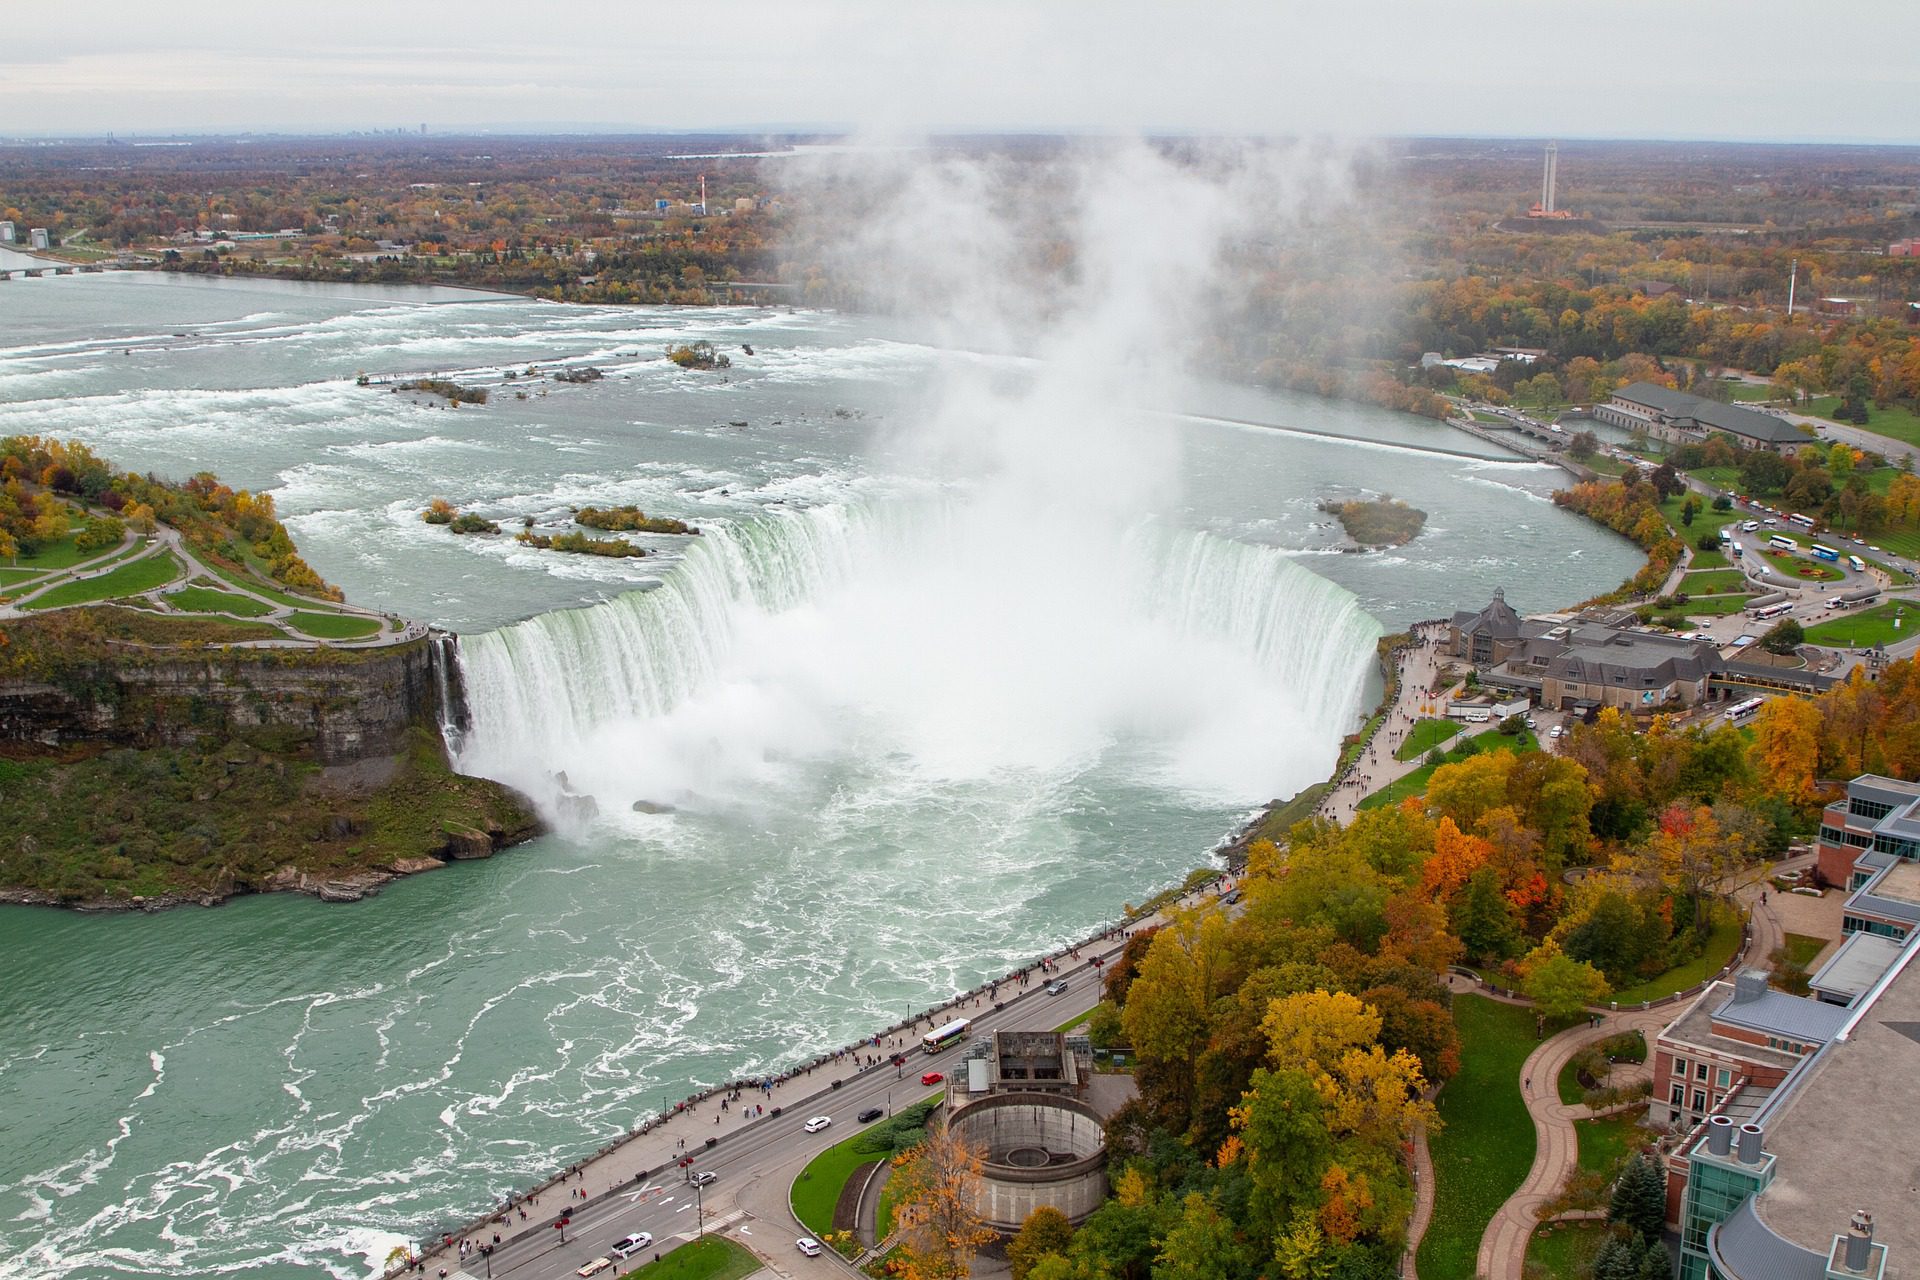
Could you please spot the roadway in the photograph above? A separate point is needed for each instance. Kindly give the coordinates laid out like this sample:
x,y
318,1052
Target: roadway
x,y
638,1186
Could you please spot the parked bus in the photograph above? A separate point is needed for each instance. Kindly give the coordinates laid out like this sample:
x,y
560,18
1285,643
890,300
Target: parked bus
x,y
1779,543
1857,564
1805,522
1772,611
1741,712
951,1034
1825,553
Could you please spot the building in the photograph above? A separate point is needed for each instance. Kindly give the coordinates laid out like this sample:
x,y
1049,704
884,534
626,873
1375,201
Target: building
x,y
1904,248
1877,821
1810,1176
6,233
38,239
1587,662
1734,1036
1023,1104
1853,969
1489,637
1680,418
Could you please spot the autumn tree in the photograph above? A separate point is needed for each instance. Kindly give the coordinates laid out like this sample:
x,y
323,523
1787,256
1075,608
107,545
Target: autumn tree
x,y
1046,1231
940,1231
1561,986
1786,748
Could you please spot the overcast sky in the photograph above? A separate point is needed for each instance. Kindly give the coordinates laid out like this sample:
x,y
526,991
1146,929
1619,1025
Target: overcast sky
x,y
1762,69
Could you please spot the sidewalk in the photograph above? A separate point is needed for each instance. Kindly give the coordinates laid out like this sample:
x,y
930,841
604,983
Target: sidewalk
x,y
1376,767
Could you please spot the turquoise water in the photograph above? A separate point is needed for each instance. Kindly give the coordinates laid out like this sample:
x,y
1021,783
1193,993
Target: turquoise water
x,y
895,773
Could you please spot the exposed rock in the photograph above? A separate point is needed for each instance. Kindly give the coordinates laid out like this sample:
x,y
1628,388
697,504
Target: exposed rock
x,y
648,806
464,843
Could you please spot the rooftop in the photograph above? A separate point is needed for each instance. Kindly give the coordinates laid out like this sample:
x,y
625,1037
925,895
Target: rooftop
x,y
1844,1134
1856,965
1695,1027
1778,1013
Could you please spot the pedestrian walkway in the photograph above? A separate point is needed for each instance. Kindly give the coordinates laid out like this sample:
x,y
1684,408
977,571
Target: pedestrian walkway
x,y
1503,1249
1419,667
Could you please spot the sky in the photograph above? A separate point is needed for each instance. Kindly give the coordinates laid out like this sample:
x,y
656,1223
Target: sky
x,y
1711,69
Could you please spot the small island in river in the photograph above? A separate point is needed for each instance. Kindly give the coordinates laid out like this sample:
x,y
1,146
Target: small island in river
x,y
1381,522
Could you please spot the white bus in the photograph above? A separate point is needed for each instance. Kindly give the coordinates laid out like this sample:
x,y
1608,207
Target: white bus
x,y
1741,712
1781,543
1859,565
951,1034
1805,522
1772,611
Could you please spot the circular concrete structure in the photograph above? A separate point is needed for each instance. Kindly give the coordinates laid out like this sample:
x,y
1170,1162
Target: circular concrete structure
x,y
1037,1149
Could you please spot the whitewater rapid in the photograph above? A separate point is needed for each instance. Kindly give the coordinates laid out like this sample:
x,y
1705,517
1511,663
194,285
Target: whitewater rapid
x,y
935,635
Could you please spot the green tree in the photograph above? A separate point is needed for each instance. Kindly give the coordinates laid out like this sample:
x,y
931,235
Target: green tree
x,y
1282,1123
1203,1245
1046,1231
1562,986
1784,637
1640,1198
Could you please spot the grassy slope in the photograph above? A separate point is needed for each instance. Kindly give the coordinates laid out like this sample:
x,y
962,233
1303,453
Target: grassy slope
x,y
1721,944
1565,1251
1426,734
1486,1148
1866,627
713,1258
1896,423
207,600
130,579
333,626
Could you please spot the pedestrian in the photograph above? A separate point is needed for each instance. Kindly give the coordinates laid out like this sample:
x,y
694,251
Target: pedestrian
x,y
1529,1084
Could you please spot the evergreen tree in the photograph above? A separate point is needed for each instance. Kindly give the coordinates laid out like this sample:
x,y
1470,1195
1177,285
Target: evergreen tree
x,y
1640,1198
1617,1259
1655,1263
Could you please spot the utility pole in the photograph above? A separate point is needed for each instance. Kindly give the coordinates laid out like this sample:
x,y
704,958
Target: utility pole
x,y
1793,283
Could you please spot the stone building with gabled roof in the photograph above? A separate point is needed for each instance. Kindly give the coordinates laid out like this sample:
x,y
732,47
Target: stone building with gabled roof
x,y
1489,637
1680,418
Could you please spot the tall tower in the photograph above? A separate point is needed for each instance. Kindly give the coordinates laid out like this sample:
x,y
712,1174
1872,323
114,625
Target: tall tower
x,y
1549,177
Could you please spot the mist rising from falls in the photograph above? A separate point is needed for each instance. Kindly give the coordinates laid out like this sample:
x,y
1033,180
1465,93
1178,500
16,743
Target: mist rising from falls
x,y
944,639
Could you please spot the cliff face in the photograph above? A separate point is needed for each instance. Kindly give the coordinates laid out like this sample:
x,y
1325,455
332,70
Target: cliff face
x,y
336,707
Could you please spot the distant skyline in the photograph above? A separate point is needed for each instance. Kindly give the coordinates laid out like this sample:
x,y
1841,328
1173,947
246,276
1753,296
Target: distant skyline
x,y
1705,69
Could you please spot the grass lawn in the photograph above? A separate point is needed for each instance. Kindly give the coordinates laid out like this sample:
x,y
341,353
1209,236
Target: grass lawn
x,y
817,1190
1881,624
713,1258
1415,783
333,626
1715,606
1897,423
1606,466
1710,560
58,555
1606,1142
1565,1250
1705,520
1750,390
1802,948
1486,1148
1721,944
1803,567
1426,735
131,579
1723,479
207,600
1712,581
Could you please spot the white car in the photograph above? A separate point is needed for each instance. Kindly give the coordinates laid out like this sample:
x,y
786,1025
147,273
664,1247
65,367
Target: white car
x,y
818,1123
633,1244
1556,731
808,1245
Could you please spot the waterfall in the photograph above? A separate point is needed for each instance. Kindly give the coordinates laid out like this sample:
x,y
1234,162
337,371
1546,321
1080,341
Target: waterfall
x,y
950,635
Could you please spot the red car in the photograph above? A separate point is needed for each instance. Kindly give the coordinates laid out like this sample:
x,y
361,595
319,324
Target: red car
x,y
931,1077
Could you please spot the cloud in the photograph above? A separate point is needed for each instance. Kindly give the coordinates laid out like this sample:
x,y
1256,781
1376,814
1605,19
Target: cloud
x,y
1359,67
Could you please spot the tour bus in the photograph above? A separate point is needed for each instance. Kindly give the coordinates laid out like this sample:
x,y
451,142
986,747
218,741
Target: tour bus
x,y
1741,712
1772,611
953,1033
1857,564
1805,522
1825,553
1779,543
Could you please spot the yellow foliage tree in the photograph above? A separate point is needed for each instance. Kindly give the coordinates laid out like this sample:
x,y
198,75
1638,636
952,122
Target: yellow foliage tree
x,y
1786,748
939,1230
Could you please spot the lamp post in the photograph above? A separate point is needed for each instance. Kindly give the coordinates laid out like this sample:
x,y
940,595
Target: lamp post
x,y
699,1211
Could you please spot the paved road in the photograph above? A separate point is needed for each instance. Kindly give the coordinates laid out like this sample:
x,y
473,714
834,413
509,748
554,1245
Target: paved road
x,y
637,1188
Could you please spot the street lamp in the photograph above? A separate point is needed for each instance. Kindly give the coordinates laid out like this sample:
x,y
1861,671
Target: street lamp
x,y
699,1211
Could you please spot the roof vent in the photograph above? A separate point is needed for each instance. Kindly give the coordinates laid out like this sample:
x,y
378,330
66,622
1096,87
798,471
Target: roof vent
x,y
1859,1241
1750,1135
1749,986
1719,1135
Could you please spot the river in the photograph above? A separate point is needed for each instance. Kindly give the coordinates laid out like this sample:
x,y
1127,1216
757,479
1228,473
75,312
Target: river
x,y
913,726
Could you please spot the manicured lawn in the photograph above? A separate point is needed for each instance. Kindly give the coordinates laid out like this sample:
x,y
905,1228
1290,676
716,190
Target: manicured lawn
x,y
333,626
1721,944
1604,1143
1882,624
131,579
1415,783
817,1190
1807,568
1606,466
1710,560
1750,390
58,555
1486,1147
713,1258
1897,423
1715,606
1802,948
1712,582
1565,1250
1705,520
1722,479
207,600
1426,735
